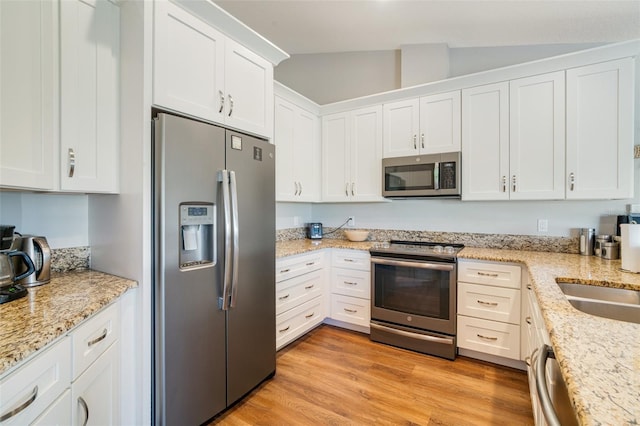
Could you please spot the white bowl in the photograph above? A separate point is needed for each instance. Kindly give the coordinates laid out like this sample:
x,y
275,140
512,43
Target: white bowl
x,y
354,235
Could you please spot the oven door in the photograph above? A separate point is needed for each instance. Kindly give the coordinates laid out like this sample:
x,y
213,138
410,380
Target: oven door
x,y
416,294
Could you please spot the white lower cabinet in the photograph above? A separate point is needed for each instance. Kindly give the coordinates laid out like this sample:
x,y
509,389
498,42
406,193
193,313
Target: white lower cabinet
x,y
351,287
489,308
299,300
75,380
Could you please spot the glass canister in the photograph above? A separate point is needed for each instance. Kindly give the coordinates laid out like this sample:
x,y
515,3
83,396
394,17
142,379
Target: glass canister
x,y
599,242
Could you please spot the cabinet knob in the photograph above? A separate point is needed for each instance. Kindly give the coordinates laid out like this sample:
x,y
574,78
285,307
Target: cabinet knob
x,y
513,182
572,181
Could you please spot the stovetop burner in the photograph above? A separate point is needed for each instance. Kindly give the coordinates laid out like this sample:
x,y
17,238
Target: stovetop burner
x,y
418,250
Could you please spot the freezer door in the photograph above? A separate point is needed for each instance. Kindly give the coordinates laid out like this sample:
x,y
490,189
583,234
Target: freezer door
x,y
251,319
189,342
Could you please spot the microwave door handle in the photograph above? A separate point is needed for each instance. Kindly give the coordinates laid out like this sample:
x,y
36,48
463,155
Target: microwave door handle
x,y
436,175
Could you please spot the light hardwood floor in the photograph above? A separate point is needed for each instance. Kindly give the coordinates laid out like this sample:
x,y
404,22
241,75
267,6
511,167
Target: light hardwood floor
x,y
333,376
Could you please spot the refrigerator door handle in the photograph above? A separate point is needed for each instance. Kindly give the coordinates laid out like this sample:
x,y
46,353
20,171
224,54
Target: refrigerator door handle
x,y
223,177
234,213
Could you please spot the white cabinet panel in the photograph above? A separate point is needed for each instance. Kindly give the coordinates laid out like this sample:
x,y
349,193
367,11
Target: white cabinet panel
x,y
352,310
537,137
600,130
352,155
29,88
190,79
293,266
58,413
485,142
35,385
295,291
487,302
351,282
297,137
440,124
299,320
488,273
491,337
351,259
89,95
401,127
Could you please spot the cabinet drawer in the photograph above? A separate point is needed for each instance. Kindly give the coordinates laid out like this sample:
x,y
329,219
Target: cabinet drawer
x,y
351,309
292,266
487,302
496,274
295,291
40,380
491,337
93,337
351,259
351,282
297,321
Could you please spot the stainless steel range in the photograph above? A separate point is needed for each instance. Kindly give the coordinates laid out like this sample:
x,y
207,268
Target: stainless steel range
x,y
413,296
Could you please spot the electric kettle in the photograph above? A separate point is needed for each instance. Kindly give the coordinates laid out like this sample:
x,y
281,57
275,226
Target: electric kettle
x,y
39,252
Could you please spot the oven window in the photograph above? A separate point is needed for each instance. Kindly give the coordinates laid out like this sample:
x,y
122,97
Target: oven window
x,y
414,291
407,178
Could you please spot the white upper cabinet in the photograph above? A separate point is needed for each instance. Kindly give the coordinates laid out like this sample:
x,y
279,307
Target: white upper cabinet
x,y
513,139
428,125
29,88
297,140
440,123
89,95
600,131
352,155
188,63
537,139
485,142
200,72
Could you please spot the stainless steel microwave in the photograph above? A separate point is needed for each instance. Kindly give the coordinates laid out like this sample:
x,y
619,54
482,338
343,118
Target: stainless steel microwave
x,y
433,175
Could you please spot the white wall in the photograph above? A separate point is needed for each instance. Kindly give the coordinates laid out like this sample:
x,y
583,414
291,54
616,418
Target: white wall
x,y
62,218
293,215
332,77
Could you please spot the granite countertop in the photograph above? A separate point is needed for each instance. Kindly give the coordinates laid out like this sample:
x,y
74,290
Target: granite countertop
x,y
599,358
51,310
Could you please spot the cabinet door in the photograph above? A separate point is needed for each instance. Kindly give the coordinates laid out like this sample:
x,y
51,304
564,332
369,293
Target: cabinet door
x,y
306,159
440,123
94,395
335,157
188,57
600,131
537,140
249,90
284,139
89,98
29,87
366,154
58,413
485,142
401,126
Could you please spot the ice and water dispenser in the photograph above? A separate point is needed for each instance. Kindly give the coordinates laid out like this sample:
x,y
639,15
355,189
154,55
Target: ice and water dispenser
x,y
197,233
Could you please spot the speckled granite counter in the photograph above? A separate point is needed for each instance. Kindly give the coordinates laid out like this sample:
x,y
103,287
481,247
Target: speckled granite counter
x,y
599,358
49,311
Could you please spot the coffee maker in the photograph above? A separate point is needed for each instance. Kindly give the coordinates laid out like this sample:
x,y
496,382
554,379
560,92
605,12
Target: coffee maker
x,y
10,255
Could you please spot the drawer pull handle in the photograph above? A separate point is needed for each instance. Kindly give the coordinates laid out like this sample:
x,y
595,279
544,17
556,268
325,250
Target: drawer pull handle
x,y
72,162
527,361
283,271
350,283
528,320
482,302
82,402
98,339
283,297
285,329
528,286
486,337
311,263
349,260
309,287
484,274
310,315
351,311
19,408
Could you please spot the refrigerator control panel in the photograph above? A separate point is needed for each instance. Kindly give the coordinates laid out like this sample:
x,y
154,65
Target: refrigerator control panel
x,y
197,235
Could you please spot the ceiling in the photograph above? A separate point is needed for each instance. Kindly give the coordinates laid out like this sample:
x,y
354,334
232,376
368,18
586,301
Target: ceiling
x,y
323,26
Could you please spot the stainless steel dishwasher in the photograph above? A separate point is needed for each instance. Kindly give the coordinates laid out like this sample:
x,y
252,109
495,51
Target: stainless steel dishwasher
x,y
551,389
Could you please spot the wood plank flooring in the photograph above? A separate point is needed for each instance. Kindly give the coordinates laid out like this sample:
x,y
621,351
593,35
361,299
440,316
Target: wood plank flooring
x,y
333,376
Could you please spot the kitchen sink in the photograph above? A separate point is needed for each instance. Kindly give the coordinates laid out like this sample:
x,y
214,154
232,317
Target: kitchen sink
x,y
614,303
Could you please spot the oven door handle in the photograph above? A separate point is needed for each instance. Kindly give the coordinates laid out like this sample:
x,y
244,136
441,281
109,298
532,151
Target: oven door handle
x,y
422,265
434,339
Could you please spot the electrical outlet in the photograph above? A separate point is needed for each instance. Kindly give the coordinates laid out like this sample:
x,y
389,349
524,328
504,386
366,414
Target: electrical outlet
x,y
351,221
543,225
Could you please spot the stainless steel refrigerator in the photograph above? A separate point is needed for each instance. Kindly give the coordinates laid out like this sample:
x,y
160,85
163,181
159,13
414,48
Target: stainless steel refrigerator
x,y
214,270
